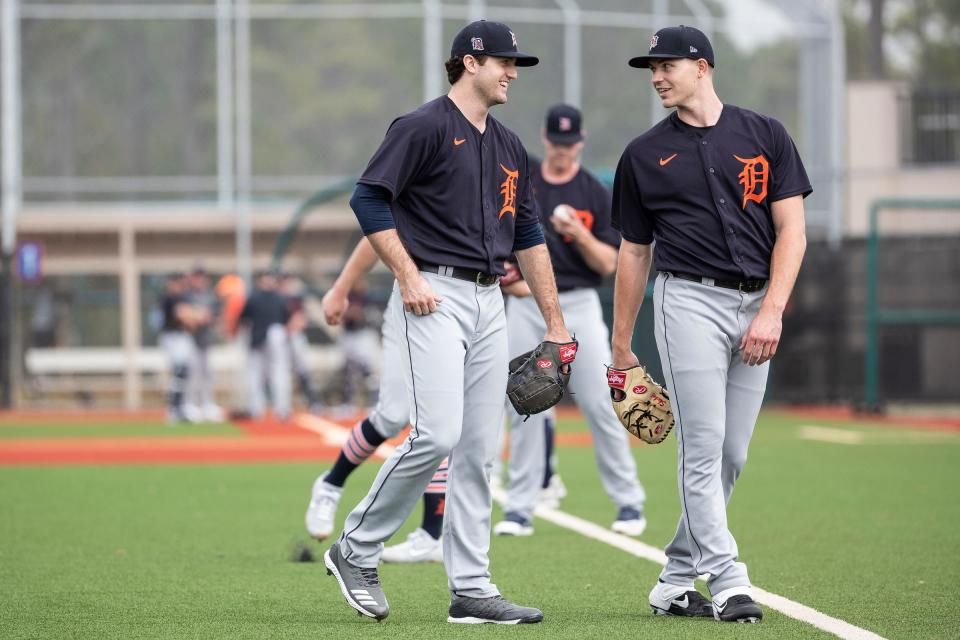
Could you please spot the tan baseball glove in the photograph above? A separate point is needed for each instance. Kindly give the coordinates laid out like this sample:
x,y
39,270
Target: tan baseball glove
x,y
641,404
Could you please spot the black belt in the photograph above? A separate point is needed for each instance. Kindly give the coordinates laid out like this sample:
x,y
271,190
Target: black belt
x,y
746,286
477,277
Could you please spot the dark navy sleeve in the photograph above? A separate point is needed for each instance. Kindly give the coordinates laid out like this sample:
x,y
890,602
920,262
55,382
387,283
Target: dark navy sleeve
x,y
787,175
527,235
410,143
528,211
602,225
628,214
371,205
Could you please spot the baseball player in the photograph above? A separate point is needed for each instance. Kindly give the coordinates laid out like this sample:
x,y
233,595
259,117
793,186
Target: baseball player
x,y
206,305
266,313
388,418
721,190
177,343
292,289
444,200
583,249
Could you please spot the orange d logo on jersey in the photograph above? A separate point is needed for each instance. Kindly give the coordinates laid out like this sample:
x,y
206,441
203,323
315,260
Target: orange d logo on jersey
x,y
756,172
508,189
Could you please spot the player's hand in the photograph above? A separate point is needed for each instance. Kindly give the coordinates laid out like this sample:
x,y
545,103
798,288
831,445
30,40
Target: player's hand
x,y
570,227
334,304
759,343
418,296
624,359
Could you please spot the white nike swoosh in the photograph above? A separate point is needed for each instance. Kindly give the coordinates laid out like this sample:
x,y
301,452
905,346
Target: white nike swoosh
x,y
683,603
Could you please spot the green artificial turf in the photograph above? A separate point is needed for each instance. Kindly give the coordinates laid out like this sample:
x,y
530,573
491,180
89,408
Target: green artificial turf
x,y
865,533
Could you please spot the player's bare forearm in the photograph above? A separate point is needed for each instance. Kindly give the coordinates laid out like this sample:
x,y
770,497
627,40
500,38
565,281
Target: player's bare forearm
x,y
599,256
359,263
788,250
538,273
416,292
762,337
335,302
633,269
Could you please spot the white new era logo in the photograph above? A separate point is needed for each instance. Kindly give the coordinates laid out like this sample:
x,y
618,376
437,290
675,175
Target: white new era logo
x,y
693,49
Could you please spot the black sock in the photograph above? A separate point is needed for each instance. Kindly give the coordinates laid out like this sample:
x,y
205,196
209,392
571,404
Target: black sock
x,y
344,466
548,432
433,505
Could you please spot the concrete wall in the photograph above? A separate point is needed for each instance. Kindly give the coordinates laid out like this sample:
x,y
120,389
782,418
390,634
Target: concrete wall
x,y
874,168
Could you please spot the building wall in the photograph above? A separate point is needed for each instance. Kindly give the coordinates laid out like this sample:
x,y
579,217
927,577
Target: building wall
x,y
875,170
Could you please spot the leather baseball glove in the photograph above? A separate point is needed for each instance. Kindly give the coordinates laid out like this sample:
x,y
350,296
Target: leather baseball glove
x,y
641,404
538,377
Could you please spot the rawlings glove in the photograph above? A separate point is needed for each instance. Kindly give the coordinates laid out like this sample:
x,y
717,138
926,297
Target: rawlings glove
x,y
641,404
538,377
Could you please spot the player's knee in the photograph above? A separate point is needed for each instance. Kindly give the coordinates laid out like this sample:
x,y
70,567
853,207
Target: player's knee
x,y
388,425
443,442
733,463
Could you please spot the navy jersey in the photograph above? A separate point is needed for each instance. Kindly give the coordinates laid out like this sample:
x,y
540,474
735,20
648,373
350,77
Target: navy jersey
x,y
705,194
262,310
456,194
169,307
591,202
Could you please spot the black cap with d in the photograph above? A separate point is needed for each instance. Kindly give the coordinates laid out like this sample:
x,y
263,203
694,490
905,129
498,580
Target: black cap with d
x,y
482,38
676,42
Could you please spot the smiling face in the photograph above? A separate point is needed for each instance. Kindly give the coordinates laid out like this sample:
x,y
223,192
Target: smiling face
x,y
492,79
676,80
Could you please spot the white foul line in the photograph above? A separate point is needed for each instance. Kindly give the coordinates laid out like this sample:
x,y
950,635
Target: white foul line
x,y
639,549
335,435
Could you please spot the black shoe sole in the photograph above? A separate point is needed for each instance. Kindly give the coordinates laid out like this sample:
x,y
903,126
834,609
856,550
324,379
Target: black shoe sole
x,y
677,612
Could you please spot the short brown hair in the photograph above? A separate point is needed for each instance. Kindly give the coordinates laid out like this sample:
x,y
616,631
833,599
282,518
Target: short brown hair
x,y
455,68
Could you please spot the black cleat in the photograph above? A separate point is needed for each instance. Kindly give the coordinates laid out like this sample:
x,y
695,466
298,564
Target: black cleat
x,y
689,604
738,608
493,610
359,585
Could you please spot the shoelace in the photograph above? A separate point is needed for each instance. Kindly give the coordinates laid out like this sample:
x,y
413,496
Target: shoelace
x,y
367,576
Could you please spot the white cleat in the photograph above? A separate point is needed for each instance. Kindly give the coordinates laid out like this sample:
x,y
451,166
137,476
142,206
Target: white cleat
x,y
322,510
630,522
513,525
213,413
419,546
551,495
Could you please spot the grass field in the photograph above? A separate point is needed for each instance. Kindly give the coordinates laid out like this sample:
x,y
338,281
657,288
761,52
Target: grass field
x,y
864,529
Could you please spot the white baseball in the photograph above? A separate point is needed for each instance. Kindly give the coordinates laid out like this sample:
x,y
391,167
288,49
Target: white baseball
x,y
563,211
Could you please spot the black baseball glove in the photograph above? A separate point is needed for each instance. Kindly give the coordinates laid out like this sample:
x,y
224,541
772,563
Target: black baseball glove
x,y
538,377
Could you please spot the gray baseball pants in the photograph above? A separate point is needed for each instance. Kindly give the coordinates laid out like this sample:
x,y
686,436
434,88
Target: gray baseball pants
x,y
455,362
270,362
392,412
618,471
716,399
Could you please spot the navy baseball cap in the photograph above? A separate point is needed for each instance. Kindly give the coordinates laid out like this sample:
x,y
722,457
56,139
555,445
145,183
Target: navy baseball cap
x,y
563,124
482,38
676,42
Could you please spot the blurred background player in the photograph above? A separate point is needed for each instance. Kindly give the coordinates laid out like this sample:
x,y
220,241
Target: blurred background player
x,y
390,415
201,403
292,289
575,211
266,315
177,343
